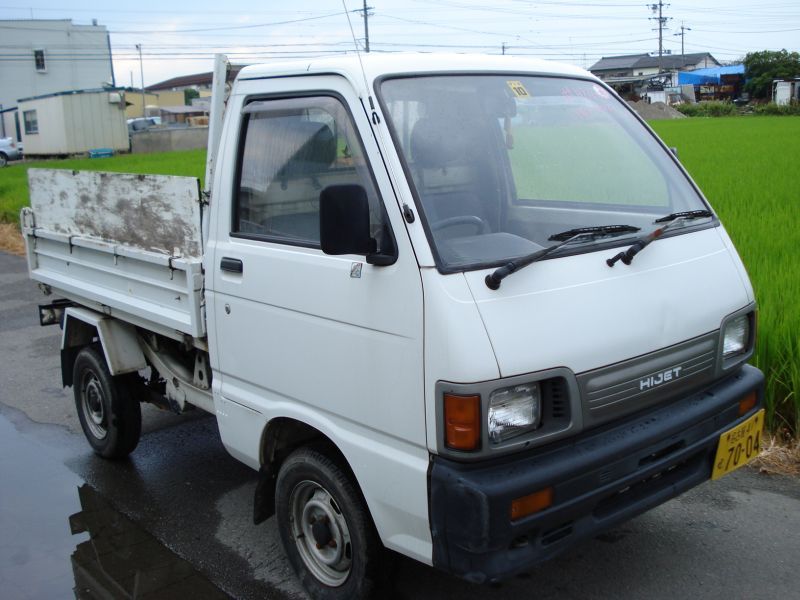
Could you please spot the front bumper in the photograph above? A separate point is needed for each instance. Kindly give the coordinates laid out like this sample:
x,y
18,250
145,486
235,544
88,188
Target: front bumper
x,y
600,479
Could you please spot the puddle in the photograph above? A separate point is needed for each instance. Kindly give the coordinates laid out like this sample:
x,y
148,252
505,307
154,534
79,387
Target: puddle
x,y
60,538
120,560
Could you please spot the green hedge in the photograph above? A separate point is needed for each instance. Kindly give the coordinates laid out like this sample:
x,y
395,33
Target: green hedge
x,y
773,110
708,109
716,108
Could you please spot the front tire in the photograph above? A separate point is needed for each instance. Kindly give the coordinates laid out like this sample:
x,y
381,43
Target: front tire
x,y
325,528
3,160
110,418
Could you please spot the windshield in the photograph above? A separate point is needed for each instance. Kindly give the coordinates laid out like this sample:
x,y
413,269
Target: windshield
x,y
500,163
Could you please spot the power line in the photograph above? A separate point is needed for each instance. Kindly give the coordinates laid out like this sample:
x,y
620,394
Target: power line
x,y
253,26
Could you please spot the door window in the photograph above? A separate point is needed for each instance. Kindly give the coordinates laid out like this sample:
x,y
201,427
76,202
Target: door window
x,y
292,150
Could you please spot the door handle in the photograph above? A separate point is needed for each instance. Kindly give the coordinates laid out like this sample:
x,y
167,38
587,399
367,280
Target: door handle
x,y
233,265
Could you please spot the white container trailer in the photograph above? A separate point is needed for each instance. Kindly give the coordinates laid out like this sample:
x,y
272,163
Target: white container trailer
x,y
786,91
467,308
74,122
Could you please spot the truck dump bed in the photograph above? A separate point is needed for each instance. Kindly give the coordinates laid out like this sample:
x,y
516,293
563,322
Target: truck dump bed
x,y
125,245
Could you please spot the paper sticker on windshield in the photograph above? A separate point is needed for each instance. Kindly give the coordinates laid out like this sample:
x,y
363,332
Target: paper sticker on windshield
x,y
518,89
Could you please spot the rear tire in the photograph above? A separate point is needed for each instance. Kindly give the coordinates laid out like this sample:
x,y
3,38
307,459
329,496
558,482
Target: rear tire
x,y
110,418
3,160
326,529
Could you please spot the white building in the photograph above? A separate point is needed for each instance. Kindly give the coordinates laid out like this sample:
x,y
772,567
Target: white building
x,y
49,56
74,122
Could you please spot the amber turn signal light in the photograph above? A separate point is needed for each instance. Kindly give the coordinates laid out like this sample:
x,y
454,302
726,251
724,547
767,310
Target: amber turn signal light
x,y
747,403
532,503
462,417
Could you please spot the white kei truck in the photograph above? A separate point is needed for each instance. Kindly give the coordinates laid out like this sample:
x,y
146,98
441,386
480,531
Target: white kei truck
x,y
465,308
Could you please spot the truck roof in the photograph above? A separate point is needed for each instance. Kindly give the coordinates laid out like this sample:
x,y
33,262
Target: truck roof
x,y
378,65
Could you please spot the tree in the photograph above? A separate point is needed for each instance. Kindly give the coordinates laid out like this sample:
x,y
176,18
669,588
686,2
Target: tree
x,y
189,94
760,68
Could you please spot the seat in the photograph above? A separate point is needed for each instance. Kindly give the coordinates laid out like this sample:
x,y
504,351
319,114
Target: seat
x,y
445,167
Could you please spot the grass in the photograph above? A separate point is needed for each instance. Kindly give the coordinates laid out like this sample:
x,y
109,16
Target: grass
x,y
747,167
14,177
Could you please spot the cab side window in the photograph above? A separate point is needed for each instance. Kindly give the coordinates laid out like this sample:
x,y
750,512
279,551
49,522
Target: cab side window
x,y
292,150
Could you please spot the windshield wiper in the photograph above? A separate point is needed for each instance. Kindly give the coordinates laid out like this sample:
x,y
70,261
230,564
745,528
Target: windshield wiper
x,y
687,214
598,230
626,256
493,279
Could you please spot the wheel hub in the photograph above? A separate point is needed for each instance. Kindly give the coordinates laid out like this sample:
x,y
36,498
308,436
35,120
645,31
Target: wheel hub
x,y
94,406
321,533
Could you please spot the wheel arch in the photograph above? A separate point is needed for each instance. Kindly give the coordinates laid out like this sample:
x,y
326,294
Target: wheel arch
x,y
117,339
281,436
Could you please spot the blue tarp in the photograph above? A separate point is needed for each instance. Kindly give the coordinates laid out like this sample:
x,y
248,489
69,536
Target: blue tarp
x,y
705,76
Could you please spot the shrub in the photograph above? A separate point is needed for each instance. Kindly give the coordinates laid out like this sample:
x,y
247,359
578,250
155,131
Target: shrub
x,y
712,108
775,110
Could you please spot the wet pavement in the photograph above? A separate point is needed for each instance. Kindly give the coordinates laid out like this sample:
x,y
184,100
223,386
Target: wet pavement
x,y
179,511
94,553
35,538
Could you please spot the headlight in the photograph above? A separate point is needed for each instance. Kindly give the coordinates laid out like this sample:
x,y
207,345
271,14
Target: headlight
x,y
513,411
736,336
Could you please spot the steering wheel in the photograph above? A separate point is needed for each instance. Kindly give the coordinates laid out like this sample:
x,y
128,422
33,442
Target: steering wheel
x,y
481,225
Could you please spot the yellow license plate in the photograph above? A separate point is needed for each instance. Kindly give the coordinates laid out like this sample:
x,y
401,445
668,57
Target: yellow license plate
x,y
738,446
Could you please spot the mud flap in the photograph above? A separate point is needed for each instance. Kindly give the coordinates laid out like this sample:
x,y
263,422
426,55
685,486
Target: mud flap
x,y
264,501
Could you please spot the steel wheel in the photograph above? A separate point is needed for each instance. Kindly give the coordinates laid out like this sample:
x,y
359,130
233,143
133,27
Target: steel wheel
x,y
321,533
93,405
325,526
110,417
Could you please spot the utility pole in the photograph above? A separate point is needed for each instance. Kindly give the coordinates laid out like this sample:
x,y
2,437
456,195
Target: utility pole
x,y
366,14
141,70
503,48
662,22
684,29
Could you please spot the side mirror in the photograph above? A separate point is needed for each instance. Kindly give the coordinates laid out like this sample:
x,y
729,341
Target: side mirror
x,y
344,224
344,220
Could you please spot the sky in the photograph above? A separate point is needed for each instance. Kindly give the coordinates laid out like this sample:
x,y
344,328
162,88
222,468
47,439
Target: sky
x,y
181,37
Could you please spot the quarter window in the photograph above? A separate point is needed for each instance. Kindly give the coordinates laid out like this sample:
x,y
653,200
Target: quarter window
x,y
31,121
293,149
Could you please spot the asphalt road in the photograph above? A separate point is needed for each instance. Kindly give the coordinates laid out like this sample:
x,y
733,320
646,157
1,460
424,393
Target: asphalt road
x,y
182,495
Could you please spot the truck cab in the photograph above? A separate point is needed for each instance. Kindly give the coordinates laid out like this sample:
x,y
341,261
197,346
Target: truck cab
x,y
451,399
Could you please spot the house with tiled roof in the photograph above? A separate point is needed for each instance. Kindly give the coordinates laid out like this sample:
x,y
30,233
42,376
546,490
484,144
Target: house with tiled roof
x,y
171,91
641,65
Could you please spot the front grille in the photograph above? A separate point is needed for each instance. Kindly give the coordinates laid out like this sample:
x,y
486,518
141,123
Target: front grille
x,y
623,388
554,395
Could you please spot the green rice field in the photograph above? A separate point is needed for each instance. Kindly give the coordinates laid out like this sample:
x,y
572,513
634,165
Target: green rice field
x,y
14,178
748,168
